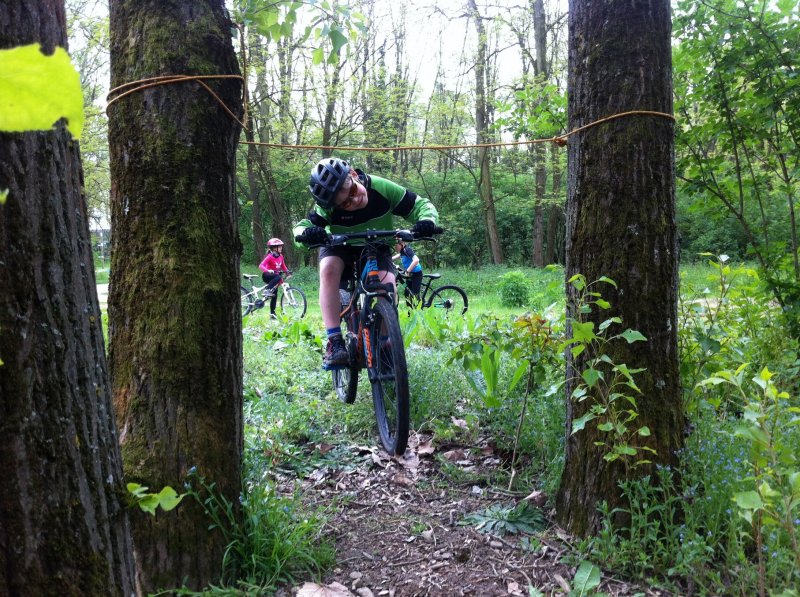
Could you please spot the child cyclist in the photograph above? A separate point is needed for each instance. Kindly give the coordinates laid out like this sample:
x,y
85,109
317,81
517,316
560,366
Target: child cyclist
x,y
347,200
272,266
411,268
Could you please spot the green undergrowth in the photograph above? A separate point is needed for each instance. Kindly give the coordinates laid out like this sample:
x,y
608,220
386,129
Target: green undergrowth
x,y
727,522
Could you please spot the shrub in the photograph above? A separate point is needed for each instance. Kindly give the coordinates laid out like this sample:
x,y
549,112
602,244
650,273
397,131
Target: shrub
x,y
515,290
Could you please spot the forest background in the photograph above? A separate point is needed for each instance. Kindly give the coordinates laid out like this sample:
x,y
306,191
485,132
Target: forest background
x,y
334,84
414,73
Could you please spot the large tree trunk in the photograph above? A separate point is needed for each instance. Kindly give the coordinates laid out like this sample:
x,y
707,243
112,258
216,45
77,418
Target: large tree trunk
x,y
482,129
63,519
174,319
621,224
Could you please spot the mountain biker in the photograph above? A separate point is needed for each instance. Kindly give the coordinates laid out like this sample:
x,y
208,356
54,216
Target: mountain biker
x,y
348,200
412,268
272,265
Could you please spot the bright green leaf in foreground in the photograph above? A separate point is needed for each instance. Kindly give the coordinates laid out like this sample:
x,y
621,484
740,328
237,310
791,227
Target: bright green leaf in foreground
x,y
37,90
3,196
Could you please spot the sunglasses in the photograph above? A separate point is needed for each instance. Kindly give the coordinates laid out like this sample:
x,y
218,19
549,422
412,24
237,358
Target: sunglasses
x,y
351,195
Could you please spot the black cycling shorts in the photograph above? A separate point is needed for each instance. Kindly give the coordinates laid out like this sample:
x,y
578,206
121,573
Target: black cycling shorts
x,y
349,254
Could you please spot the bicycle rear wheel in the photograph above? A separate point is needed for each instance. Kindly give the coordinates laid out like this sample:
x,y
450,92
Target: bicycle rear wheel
x,y
388,375
449,298
248,301
293,302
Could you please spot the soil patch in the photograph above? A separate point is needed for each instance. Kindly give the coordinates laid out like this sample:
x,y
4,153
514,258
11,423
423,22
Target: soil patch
x,y
399,530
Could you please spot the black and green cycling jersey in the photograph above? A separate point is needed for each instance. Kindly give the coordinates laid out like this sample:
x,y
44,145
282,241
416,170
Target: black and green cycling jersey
x,y
385,200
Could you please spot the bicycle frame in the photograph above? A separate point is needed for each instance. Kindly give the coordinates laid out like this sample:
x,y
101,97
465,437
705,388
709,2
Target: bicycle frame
x,y
373,339
424,288
364,288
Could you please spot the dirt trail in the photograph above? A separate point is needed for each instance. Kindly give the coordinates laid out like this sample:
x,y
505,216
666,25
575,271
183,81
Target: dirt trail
x,y
398,533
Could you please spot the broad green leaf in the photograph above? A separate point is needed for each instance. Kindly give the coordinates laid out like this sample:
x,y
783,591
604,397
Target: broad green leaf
x,y
136,489
633,336
608,322
168,498
577,281
149,503
587,577
317,56
606,427
644,431
794,482
37,90
579,423
518,375
748,500
583,332
338,40
607,280
3,196
591,376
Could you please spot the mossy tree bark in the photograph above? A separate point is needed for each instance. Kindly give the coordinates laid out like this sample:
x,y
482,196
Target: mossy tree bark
x,y
174,321
621,224
63,519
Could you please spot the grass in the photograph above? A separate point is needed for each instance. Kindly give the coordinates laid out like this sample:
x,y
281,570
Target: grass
x,y
685,526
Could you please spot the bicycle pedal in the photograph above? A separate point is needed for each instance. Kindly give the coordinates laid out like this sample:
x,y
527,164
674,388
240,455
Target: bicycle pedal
x,y
334,367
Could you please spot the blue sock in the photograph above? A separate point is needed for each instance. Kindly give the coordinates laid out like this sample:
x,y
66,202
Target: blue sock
x,y
334,332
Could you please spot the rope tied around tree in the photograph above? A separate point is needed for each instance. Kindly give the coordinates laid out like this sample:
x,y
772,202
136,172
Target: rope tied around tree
x,y
141,84
559,140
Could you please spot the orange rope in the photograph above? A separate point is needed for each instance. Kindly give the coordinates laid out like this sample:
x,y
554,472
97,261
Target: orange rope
x,y
559,140
165,79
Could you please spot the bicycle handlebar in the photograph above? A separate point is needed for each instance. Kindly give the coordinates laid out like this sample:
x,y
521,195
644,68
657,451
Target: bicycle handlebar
x,y
335,240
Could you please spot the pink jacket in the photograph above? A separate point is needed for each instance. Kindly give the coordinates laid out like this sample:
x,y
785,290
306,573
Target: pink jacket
x,y
276,264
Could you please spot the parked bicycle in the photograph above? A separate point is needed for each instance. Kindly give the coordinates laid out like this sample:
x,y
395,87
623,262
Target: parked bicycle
x,y
449,297
373,338
291,299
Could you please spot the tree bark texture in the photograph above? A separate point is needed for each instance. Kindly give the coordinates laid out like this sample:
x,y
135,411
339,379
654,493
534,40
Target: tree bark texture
x,y
174,319
63,520
621,224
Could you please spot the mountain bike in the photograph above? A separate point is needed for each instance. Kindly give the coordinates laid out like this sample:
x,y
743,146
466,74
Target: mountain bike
x,y
373,338
450,298
291,299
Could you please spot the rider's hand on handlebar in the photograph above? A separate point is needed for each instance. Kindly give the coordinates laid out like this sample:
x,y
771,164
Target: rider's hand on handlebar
x,y
423,228
313,235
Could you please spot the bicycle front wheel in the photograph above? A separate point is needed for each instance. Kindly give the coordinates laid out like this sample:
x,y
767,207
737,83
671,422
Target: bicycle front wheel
x,y
248,301
388,375
451,299
293,302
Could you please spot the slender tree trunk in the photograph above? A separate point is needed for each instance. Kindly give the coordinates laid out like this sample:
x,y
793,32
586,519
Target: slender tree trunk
x,y
330,106
63,519
174,318
253,196
276,205
540,189
542,74
621,224
482,128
